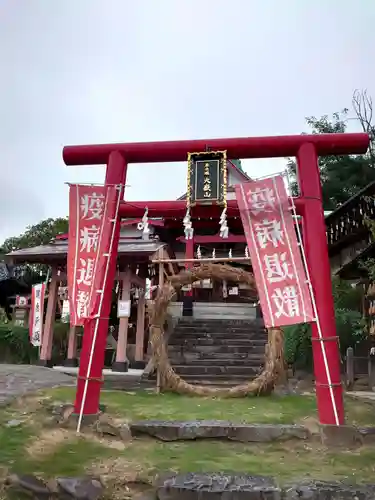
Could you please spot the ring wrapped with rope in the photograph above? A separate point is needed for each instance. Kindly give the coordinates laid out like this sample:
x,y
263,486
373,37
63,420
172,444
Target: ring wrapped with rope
x,y
274,366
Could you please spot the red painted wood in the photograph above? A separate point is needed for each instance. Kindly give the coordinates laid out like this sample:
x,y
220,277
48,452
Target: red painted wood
x,y
116,174
177,209
201,239
315,243
241,147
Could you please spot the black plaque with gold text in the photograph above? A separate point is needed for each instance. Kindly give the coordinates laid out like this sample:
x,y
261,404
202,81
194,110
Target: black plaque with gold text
x,y
207,178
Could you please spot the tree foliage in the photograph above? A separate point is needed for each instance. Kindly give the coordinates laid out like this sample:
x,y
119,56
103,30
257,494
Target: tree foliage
x,y
349,323
343,176
39,234
29,274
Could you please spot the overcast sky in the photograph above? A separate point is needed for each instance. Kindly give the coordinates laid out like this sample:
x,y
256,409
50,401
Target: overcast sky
x,y
95,71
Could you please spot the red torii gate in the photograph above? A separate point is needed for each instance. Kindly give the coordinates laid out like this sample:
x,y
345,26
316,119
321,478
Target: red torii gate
x,y
306,148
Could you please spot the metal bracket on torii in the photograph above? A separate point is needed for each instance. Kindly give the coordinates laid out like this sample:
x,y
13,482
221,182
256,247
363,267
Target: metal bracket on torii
x,y
307,149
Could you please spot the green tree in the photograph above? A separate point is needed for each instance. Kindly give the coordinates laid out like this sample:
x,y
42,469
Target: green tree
x,y
349,322
39,234
343,176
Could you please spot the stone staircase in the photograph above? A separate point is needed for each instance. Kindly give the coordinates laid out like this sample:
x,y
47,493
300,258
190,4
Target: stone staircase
x,y
217,351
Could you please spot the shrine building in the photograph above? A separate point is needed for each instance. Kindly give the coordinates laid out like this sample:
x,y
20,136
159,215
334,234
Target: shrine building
x,y
139,273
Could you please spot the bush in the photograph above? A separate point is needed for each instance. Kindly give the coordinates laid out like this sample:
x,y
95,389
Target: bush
x,y
297,346
349,323
15,346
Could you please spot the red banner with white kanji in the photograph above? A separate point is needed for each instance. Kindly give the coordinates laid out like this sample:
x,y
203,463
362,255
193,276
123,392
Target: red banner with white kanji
x,y
105,248
92,211
37,314
275,255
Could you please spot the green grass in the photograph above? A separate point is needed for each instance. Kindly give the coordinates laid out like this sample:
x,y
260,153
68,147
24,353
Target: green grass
x,y
286,461
12,443
69,459
142,405
12,439
283,461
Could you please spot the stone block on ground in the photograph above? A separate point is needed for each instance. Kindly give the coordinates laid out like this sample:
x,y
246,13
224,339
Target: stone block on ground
x,y
217,429
81,488
105,425
217,486
326,490
61,412
367,434
29,485
340,435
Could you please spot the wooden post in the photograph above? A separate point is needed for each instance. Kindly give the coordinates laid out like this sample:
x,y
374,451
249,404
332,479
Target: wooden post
x,y
139,362
47,337
71,359
122,364
349,368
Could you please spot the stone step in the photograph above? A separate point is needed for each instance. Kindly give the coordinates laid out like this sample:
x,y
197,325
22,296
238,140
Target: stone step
x,y
206,341
217,329
225,315
212,350
235,323
218,380
214,380
251,360
201,371
215,337
218,351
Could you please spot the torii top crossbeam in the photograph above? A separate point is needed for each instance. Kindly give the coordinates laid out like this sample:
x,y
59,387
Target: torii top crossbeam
x,y
243,147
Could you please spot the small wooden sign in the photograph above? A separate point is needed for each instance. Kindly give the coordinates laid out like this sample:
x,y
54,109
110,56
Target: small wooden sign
x,y
65,313
21,316
206,283
21,301
123,308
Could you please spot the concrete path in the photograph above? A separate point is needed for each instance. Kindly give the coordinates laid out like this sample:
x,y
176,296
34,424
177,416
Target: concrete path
x,y
365,395
16,380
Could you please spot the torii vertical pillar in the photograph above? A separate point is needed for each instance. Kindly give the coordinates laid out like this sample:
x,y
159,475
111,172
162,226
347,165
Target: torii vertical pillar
x,y
115,174
47,337
122,364
329,392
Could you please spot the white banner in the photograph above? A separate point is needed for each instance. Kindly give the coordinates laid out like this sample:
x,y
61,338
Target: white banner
x,y
37,313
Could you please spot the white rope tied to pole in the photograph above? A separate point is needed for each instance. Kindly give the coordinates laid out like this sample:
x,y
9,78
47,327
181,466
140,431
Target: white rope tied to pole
x,y
315,310
118,187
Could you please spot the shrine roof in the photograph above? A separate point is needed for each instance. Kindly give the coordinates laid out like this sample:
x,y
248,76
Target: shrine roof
x,y
59,250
